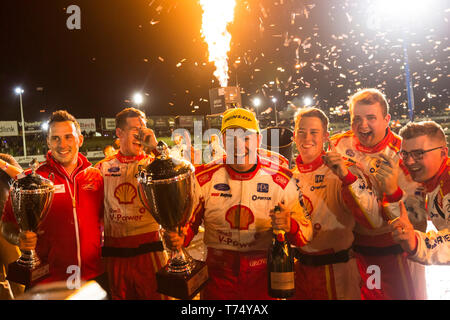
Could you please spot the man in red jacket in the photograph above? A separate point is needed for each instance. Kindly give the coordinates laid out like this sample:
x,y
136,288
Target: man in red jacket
x,y
69,238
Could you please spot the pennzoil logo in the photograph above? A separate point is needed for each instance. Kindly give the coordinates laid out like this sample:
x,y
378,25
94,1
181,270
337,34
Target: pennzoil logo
x,y
125,193
239,217
204,178
280,179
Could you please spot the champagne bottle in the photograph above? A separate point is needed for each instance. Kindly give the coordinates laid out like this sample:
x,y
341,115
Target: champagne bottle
x,y
280,267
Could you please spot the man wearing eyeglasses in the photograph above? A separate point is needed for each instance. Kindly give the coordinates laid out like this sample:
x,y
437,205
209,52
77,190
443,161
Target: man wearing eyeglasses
x,y
425,154
374,147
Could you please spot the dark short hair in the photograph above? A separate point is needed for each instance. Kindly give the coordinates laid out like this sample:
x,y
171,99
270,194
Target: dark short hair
x,y
121,117
424,128
367,97
311,113
62,116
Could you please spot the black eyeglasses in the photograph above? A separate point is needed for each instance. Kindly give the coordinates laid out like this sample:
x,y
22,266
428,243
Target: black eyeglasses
x,y
415,154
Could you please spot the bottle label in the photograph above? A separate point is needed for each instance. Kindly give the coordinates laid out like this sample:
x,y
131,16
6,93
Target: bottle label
x,y
282,280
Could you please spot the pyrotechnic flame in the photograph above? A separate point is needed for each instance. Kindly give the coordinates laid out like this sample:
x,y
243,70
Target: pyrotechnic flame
x,y
217,14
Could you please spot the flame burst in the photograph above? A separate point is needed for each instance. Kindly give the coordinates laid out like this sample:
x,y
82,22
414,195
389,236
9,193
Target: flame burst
x,y
217,14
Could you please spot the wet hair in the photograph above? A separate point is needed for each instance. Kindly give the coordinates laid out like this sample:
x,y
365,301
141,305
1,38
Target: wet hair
x,y
424,128
367,97
311,113
121,117
62,116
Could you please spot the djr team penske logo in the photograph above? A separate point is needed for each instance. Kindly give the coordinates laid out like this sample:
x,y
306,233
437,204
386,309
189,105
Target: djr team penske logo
x,y
125,193
239,217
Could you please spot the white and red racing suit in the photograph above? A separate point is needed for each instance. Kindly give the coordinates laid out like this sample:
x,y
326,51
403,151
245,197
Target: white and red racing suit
x,y
376,246
133,248
234,208
434,247
326,268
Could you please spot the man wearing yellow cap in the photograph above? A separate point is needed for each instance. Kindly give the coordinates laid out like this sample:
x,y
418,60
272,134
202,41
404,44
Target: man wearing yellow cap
x,y
234,199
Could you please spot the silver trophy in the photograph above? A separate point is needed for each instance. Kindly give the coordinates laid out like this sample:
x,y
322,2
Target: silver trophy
x,y
31,197
166,190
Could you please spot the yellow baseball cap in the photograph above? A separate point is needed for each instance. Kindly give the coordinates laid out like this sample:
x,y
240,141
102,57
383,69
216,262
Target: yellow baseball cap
x,y
238,117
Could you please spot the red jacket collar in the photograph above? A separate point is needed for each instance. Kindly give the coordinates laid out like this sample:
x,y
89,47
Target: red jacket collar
x,y
242,176
129,159
378,147
82,164
309,167
431,184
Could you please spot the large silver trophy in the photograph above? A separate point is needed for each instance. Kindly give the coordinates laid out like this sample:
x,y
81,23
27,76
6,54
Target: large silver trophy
x,y
166,191
31,197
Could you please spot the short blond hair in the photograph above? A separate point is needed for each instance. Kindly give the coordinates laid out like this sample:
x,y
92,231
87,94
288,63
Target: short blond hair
x,y
369,96
311,113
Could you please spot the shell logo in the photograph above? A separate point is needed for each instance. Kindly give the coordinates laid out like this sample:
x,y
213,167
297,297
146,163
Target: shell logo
x,y
125,193
307,205
239,217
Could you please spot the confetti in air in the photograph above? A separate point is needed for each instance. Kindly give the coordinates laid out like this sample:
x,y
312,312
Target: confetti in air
x,y
217,14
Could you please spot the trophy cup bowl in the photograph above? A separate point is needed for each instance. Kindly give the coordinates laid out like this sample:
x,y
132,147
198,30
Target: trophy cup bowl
x,y
166,190
31,197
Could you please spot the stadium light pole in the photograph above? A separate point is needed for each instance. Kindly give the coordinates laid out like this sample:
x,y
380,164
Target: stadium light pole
x,y
19,91
274,100
256,103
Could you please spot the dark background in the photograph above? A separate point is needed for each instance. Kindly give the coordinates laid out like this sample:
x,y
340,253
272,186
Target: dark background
x,y
125,46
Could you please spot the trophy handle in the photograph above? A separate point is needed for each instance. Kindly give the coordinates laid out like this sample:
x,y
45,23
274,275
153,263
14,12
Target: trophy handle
x,y
51,176
143,198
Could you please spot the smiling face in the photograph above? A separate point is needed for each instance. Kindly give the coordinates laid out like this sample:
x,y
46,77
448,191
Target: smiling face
x,y
309,136
369,124
241,148
64,141
128,136
426,168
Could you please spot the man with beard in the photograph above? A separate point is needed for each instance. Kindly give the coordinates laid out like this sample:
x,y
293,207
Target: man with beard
x,y
425,154
374,147
132,247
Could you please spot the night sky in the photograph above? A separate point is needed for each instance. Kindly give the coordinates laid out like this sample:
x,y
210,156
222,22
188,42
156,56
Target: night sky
x,y
284,48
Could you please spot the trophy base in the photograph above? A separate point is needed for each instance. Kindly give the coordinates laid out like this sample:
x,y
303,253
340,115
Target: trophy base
x,y
181,285
25,275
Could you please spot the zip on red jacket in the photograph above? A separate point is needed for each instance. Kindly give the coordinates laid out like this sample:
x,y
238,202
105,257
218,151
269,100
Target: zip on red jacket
x,y
70,235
